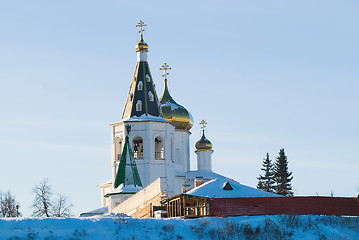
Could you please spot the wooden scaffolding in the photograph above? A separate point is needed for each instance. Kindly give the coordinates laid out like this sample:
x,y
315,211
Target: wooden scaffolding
x,y
187,206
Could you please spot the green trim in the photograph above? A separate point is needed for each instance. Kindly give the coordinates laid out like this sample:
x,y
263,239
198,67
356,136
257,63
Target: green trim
x,y
111,194
127,173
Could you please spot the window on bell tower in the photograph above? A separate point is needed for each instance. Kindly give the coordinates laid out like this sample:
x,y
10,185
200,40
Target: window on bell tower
x,y
118,146
139,106
140,86
159,148
148,78
151,96
137,147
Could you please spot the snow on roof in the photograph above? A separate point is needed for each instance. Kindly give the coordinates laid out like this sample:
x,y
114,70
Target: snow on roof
x,y
109,182
204,174
98,211
125,189
144,117
214,189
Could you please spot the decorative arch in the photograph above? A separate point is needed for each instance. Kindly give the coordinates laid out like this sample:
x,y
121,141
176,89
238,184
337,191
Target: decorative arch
x,y
139,106
137,144
159,148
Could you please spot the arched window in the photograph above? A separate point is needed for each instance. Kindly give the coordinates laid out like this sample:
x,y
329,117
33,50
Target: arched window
x,y
118,148
137,147
151,96
140,86
139,106
148,79
159,149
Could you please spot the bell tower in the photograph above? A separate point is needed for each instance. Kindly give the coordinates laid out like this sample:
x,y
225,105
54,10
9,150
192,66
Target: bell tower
x,y
151,137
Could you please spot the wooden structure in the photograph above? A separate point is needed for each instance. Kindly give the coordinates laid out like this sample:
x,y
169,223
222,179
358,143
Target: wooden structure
x,y
146,201
187,206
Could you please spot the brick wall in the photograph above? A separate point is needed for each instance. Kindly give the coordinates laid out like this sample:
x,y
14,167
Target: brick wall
x,y
284,205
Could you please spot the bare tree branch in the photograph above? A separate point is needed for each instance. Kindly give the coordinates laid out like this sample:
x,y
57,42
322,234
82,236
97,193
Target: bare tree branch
x,y
62,207
45,206
9,207
42,203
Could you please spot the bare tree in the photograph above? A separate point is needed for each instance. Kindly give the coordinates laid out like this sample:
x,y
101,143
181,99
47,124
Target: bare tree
x,y
42,203
62,207
45,206
9,207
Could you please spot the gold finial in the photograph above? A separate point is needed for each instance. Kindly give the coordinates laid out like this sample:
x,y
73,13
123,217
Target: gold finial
x,y
203,123
141,25
165,67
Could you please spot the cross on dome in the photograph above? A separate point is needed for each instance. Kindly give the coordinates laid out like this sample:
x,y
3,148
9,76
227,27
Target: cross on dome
x,y
165,67
141,25
203,123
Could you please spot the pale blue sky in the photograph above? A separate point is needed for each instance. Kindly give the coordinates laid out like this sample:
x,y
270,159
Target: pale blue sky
x,y
263,74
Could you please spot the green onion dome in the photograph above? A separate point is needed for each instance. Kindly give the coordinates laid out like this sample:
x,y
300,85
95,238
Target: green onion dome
x,y
173,112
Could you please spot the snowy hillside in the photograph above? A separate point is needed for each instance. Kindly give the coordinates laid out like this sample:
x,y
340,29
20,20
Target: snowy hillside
x,y
114,227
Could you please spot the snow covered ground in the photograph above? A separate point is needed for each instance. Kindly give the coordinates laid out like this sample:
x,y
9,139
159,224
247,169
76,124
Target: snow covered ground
x,y
116,227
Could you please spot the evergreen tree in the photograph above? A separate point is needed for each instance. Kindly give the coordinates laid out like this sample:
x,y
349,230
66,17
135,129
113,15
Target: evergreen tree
x,y
281,175
266,182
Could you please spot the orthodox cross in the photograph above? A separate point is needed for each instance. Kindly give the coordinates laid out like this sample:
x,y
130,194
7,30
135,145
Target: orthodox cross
x,y
203,123
165,67
141,25
128,130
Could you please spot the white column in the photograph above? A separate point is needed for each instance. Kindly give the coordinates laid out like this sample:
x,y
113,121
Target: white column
x,y
204,159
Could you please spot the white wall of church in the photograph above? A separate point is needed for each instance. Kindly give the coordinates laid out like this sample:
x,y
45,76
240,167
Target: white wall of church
x,y
182,151
153,146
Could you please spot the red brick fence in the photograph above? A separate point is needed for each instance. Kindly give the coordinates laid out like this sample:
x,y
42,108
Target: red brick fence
x,y
284,205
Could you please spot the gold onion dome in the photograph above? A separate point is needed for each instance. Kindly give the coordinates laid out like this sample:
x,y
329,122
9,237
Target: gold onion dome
x,y
203,143
173,112
141,45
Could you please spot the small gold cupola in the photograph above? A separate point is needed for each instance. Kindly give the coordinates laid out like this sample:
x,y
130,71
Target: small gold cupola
x,y
172,111
204,151
141,45
203,143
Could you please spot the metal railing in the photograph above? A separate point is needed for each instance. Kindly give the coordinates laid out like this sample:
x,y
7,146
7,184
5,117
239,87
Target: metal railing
x,y
138,155
159,155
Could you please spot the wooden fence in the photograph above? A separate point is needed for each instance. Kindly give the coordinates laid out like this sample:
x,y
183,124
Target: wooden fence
x,y
284,205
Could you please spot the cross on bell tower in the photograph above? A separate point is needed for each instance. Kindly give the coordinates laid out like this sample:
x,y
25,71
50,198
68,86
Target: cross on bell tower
x,y
141,25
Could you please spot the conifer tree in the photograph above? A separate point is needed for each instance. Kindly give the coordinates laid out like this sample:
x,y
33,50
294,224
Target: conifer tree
x,y
266,182
282,176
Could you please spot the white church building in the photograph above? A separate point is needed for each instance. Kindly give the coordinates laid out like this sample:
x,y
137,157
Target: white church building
x,y
152,140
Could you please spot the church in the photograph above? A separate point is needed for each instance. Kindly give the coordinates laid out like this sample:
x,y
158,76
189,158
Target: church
x,y
150,149
152,140
150,162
